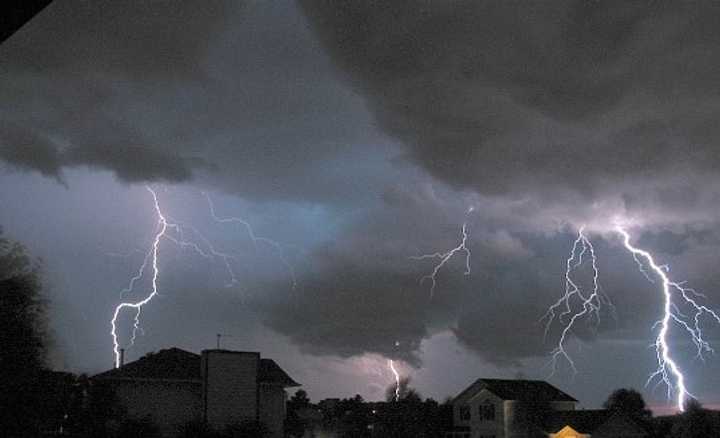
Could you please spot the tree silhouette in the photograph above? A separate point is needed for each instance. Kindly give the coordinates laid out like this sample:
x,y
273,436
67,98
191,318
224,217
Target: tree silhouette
x,y
23,337
628,401
695,422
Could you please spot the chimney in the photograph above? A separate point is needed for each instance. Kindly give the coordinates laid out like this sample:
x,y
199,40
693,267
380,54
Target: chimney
x,y
122,356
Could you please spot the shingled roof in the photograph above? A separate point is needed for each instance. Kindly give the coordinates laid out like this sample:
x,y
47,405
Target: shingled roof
x,y
177,364
523,390
173,363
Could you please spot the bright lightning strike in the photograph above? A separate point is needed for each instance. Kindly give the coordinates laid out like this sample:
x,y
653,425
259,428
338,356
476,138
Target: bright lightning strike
x,y
444,257
277,247
174,232
137,305
668,370
577,303
391,364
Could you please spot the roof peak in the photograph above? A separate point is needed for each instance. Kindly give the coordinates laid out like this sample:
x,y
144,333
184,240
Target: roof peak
x,y
517,389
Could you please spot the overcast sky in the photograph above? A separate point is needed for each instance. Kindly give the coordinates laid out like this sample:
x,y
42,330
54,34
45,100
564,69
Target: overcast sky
x,y
357,135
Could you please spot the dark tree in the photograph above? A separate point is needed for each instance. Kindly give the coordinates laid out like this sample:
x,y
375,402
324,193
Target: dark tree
x,y
630,402
295,425
299,399
354,418
23,337
695,422
530,415
408,416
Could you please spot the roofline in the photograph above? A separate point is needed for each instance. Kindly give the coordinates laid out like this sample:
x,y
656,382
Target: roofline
x,y
481,379
221,350
144,379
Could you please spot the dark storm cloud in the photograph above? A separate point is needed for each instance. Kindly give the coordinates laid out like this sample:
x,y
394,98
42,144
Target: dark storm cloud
x,y
234,95
521,97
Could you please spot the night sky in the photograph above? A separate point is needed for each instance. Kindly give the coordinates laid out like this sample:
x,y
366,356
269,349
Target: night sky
x,y
357,135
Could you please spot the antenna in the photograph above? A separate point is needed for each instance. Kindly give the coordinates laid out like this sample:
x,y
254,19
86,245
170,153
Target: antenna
x,y
220,336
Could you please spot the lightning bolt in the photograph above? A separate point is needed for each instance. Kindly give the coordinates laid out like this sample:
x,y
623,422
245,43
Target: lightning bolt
x,y
668,369
152,256
256,240
444,257
578,304
391,364
174,232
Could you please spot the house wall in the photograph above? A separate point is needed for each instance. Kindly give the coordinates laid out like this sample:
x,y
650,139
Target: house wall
x,y
273,400
563,405
478,426
169,404
230,388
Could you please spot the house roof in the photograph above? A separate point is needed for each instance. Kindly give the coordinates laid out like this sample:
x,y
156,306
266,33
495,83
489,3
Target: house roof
x,y
524,390
172,363
176,364
270,372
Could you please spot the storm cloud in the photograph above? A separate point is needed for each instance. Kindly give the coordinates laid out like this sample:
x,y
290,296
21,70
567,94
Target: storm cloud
x,y
517,98
359,134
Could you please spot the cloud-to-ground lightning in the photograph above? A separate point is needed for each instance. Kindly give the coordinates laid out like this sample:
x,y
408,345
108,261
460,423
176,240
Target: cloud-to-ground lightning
x,y
256,240
577,304
137,305
668,370
164,226
185,237
391,364
444,257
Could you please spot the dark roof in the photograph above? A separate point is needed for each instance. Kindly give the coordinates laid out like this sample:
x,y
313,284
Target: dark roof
x,y
525,390
177,364
172,363
582,421
270,372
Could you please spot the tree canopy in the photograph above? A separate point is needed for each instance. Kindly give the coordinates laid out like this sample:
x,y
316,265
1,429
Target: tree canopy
x,y
23,337
628,401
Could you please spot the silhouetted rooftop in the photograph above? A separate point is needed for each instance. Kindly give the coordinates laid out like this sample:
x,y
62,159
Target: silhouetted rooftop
x,y
177,364
523,390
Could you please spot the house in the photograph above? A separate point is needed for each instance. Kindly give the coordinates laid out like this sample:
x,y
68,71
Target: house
x,y
496,408
220,387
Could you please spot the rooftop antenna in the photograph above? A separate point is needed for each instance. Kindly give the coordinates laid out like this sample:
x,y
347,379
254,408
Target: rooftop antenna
x,y
220,336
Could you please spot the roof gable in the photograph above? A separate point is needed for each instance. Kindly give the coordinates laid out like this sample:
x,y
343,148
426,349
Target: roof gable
x,y
522,390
